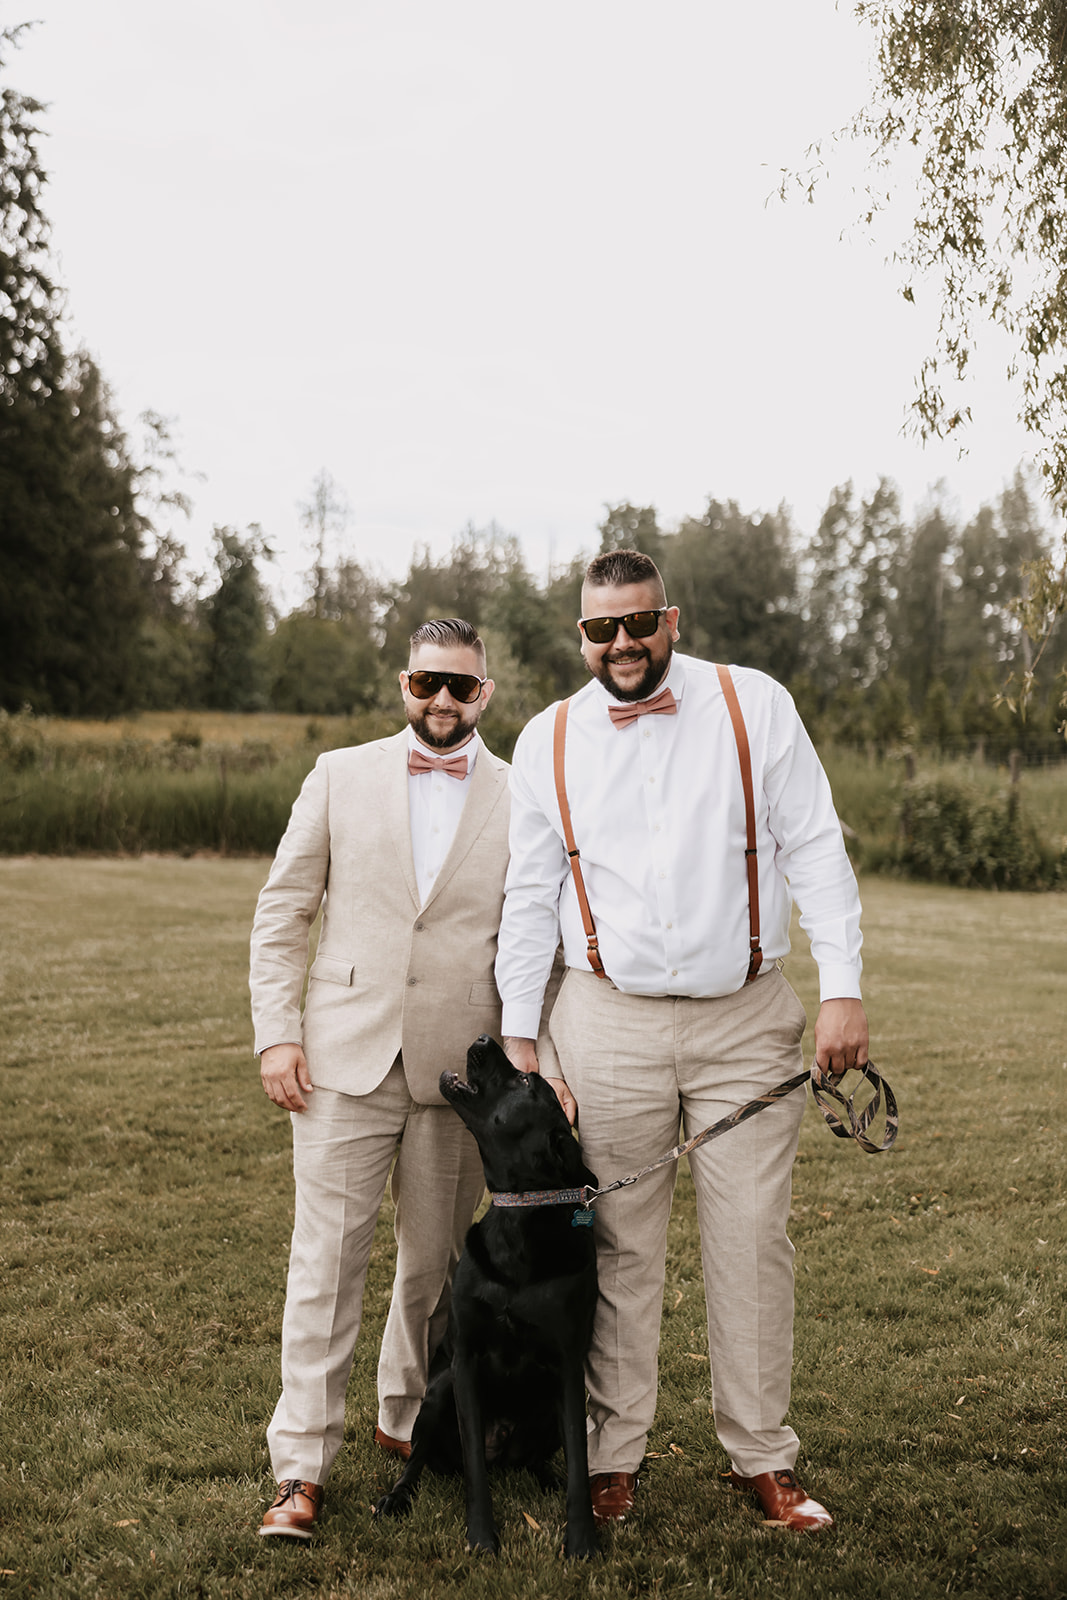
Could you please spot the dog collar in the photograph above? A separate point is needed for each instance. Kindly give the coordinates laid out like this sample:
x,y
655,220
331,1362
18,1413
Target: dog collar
x,y
550,1197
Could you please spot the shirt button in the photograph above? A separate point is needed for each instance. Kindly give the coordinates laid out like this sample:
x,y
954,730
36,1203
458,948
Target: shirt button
x,y
651,780
674,973
670,924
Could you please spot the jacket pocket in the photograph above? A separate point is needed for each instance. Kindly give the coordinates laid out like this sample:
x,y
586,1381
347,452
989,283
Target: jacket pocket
x,y
332,969
483,994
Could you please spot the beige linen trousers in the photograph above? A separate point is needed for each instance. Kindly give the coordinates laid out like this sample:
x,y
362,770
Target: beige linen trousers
x,y
396,993
638,1065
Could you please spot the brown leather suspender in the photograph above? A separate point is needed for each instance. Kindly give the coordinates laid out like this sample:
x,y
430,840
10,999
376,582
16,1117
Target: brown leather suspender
x,y
737,721
559,742
755,954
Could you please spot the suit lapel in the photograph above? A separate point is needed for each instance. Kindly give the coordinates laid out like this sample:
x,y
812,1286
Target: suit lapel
x,y
395,806
488,782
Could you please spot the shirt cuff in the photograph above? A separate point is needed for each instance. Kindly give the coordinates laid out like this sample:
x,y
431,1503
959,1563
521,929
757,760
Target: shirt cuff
x,y
839,982
520,1021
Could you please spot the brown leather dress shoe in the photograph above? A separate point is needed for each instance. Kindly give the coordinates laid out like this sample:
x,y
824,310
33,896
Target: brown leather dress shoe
x,y
613,1495
783,1500
395,1447
295,1511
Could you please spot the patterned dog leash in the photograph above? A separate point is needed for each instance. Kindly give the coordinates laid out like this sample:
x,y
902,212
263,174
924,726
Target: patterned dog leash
x,y
856,1128
822,1083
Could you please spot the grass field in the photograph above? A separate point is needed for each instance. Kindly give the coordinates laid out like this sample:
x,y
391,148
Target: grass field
x,y
146,1207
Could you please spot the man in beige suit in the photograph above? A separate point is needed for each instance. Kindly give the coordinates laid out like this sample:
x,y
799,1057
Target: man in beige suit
x,y
403,843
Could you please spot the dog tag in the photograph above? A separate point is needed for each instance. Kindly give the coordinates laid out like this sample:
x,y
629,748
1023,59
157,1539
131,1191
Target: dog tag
x,y
582,1218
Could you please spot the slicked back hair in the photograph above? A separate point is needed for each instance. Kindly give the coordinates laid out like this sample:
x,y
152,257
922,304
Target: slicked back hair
x,y
451,633
615,568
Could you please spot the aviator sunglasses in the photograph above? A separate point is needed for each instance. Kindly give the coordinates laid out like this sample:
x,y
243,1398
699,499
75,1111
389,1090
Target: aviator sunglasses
x,y
462,686
638,624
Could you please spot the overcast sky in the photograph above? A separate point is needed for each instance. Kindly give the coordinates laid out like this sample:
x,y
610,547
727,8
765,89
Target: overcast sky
x,y
485,261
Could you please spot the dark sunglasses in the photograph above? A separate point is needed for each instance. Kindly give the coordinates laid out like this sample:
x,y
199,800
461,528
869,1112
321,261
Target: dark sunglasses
x,y
462,686
638,624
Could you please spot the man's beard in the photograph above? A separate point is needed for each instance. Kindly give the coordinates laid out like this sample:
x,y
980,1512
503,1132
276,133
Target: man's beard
x,y
650,679
460,730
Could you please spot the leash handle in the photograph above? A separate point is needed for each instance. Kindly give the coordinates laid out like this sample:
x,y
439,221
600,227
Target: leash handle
x,y
823,1083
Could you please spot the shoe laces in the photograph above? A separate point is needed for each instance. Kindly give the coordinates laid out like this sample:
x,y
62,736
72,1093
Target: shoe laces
x,y
290,1487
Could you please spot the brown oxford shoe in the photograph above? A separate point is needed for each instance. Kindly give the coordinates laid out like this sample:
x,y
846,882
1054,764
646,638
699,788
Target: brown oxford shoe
x,y
295,1511
395,1447
613,1495
783,1500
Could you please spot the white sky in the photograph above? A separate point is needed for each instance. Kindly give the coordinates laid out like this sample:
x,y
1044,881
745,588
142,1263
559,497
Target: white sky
x,y
485,261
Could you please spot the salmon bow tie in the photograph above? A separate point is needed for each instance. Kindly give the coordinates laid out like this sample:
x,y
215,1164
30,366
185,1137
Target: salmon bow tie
x,y
454,766
663,704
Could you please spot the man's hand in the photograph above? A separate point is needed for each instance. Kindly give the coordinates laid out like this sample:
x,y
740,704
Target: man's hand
x,y
522,1053
284,1071
840,1036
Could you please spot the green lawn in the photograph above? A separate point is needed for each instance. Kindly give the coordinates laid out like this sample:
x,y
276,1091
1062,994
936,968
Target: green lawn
x,y
145,1206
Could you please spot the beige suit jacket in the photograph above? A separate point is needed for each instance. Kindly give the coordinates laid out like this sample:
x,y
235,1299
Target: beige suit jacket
x,y
388,975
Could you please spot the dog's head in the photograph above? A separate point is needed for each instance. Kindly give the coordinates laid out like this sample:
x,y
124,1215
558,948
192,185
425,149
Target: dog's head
x,y
522,1132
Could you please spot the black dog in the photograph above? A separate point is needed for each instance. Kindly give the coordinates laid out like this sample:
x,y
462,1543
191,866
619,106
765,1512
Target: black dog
x,y
507,1386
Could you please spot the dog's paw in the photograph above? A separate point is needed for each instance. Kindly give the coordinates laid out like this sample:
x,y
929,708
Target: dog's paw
x,y
393,1504
580,1546
483,1541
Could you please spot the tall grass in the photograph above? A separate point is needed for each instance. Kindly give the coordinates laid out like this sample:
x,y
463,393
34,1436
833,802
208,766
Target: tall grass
x,y
185,782
145,1210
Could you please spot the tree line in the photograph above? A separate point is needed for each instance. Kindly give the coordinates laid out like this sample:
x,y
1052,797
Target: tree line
x,y
885,629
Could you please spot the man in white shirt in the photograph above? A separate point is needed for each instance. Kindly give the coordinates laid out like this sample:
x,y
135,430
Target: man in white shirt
x,y
677,1028
403,843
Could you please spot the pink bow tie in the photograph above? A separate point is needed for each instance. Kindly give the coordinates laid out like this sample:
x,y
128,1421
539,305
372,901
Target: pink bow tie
x,y
663,704
455,766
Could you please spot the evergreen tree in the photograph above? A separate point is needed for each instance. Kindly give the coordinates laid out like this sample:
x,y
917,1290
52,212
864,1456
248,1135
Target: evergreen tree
x,y
71,592
734,578
629,527
235,617
879,545
31,353
831,609
71,597
918,631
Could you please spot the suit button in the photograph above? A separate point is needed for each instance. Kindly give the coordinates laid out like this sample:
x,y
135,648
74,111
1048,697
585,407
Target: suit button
x,y
419,926
412,980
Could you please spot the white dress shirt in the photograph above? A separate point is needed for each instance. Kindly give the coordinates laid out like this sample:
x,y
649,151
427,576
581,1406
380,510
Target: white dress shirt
x,y
435,805
658,813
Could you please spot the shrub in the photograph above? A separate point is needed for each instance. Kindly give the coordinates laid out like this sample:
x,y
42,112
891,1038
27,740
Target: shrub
x,y
952,833
21,739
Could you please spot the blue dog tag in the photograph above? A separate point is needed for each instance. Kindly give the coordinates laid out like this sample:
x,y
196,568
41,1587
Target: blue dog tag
x,y
582,1218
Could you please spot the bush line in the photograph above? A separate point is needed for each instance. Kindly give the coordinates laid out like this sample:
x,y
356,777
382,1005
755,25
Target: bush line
x,y
65,794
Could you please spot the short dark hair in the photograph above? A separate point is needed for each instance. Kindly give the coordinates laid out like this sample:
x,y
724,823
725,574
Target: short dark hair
x,y
614,568
451,632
